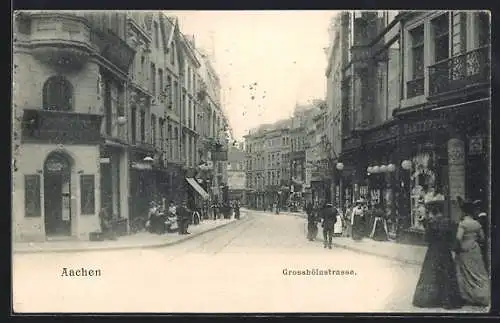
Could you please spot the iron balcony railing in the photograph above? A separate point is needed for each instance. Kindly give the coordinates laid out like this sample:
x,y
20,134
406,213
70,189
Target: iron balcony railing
x,y
458,72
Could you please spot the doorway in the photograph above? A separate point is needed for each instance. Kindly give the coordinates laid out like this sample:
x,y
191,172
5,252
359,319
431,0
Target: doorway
x,y
57,195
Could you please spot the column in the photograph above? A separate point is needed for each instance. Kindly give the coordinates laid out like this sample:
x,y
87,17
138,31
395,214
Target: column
x,y
456,175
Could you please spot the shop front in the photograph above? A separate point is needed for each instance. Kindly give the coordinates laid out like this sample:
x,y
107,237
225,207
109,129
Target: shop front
x,y
114,179
351,177
143,184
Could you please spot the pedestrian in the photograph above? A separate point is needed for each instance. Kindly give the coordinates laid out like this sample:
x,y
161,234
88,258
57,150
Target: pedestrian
x,y
437,285
183,216
312,226
105,219
379,230
347,221
328,214
237,209
473,279
358,220
482,218
214,210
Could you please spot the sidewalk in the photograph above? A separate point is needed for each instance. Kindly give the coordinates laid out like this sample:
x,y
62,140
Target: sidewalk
x,y
409,254
135,241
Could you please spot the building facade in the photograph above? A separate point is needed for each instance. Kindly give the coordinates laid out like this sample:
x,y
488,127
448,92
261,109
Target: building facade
x,y
108,104
406,136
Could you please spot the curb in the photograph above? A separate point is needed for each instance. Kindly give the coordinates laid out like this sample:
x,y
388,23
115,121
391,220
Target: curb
x,y
402,260
150,246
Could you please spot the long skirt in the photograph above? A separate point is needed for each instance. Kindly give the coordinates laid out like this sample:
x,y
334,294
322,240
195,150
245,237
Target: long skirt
x,y
379,230
437,285
312,231
358,228
472,277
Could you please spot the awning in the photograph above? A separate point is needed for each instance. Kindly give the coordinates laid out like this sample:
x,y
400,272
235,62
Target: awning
x,y
198,188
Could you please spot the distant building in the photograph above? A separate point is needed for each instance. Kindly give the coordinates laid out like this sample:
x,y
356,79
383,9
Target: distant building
x,y
236,173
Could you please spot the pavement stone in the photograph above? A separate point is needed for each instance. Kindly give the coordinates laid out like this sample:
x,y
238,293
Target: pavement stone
x,y
134,241
409,254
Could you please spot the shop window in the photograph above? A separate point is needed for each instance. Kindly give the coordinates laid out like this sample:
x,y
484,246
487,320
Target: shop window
x,y
424,183
58,94
87,195
32,196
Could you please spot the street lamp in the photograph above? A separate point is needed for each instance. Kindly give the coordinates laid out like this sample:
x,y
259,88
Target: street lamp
x,y
406,164
340,166
383,169
391,168
369,169
148,159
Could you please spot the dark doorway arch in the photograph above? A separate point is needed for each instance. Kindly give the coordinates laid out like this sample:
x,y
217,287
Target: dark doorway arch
x,y
57,194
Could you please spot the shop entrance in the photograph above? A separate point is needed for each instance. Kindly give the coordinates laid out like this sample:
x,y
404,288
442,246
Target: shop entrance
x,y
57,195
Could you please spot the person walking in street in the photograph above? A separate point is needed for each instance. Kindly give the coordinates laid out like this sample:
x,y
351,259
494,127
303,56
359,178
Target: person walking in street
x,y
329,217
437,285
358,220
473,279
105,219
214,210
312,226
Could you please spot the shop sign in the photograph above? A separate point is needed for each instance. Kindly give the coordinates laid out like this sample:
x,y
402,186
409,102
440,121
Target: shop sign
x,y
424,126
141,166
383,134
54,165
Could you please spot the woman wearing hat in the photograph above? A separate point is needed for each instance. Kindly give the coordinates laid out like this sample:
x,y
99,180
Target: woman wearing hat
x,y
437,285
472,276
358,220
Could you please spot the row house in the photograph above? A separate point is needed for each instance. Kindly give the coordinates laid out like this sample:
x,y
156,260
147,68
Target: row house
x,y
415,111
69,103
103,99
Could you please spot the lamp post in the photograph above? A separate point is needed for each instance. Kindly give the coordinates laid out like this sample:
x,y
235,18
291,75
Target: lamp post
x,y
340,168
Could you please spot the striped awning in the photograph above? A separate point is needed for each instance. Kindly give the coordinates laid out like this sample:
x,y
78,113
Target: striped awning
x,y
198,188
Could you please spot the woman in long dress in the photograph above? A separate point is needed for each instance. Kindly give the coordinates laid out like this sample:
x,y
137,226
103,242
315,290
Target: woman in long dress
x,y
473,278
379,230
358,220
437,285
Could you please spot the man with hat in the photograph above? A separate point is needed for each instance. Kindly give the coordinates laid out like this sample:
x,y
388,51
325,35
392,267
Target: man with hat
x,y
329,215
358,220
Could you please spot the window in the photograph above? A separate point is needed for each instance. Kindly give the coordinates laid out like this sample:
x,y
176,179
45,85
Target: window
x,y
58,94
172,54
440,28
153,130
415,86
32,196
156,35
108,107
143,126
143,65
176,95
170,138
160,81
169,92
133,121
162,137
484,27
87,197
153,79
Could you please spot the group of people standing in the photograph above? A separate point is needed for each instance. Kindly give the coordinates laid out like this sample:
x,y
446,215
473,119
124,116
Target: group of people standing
x,y
160,219
454,272
363,220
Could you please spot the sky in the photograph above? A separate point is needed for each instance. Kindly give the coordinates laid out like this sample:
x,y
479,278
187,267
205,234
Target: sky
x,y
267,60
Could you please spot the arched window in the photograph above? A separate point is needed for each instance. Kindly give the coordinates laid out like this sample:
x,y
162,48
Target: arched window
x,y
58,94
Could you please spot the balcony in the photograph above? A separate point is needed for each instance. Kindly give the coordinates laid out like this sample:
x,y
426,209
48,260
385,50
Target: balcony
x,y
56,127
113,48
60,39
467,72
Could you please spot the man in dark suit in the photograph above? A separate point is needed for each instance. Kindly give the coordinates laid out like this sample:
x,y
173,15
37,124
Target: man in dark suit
x,y
183,217
329,215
